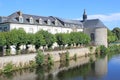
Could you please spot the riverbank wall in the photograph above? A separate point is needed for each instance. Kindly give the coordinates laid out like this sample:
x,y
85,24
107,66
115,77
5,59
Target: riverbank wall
x,y
26,58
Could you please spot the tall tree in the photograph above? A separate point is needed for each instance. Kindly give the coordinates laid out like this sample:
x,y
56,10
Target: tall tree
x,y
39,40
111,37
48,37
2,39
116,30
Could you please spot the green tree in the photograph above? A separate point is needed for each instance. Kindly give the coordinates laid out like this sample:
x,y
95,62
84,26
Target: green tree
x,y
62,39
2,39
111,37
79,38
40,58
48,37
30,38
19,37
39,40
116,30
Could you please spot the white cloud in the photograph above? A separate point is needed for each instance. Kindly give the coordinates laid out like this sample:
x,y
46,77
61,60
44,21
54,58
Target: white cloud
x,y
106,18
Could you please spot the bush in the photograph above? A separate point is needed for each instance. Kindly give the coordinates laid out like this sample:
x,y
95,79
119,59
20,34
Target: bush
x,y
39,58
103,49
67,56
32,63
50,60
75,57
90,48
8,67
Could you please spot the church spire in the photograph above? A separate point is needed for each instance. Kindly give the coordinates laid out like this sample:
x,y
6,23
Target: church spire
x,y
84,16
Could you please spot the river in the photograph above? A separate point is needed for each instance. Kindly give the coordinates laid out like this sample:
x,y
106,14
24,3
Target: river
x,y
104,68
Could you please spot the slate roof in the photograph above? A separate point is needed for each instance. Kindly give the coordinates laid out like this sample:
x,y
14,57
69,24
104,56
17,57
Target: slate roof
x,y
70,21
13,18
93,23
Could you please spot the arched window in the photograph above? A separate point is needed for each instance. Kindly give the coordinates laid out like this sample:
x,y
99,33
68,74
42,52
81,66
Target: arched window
x,y
20,19
92,35
40,21
49,22
31,20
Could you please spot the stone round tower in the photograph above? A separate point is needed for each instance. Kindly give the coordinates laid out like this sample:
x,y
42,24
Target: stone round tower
x,y
101,36
96,30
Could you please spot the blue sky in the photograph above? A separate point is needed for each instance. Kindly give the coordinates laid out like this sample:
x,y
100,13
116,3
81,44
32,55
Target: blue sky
x,y
106,10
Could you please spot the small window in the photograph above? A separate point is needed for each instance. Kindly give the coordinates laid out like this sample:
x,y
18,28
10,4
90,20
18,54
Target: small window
x,y
40,21
5,28
56,22
31,20
67,31
65,25
49,22
56,31
30,30
21,19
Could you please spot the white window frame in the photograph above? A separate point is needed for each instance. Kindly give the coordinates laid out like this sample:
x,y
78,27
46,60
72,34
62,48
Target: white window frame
x,y
48,22
31,20
56,22
40,21
20,19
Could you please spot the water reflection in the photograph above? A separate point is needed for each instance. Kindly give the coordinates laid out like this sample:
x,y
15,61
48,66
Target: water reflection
x,y
81,69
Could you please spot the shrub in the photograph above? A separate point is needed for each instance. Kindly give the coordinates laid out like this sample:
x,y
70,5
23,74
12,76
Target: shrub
x,y
39,58
75,57
67,56
103,49
32,63
90,48
8,67
50,60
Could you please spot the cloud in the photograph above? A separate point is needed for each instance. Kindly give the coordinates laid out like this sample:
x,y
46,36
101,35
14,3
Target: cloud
x,y
106,18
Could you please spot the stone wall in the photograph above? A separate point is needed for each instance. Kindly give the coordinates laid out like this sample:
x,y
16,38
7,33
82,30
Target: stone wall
x,y
24,59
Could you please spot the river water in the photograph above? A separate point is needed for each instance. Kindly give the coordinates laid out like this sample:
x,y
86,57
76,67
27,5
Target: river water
x,y
104,68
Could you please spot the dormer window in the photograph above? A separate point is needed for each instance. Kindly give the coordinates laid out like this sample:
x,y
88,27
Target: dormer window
x,y
20,19
56,22
40,21
31,20
49,22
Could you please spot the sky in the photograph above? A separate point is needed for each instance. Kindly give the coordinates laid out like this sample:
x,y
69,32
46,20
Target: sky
x,y
108,11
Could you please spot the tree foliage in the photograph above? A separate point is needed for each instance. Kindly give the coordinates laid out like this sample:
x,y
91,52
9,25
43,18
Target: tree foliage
x,y
111,36
72,38
48,37
62,39
39,40
2,39
116,30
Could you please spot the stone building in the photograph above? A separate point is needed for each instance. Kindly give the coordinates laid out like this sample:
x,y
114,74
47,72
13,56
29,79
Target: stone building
x,y
32,23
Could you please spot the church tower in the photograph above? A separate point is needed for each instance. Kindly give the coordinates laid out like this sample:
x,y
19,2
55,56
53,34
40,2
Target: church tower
x,y
84,16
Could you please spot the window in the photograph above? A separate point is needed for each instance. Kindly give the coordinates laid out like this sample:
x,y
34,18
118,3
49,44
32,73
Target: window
x,y
65,25
56,22
49,22
40,21
67,31
31,20
21,19
92,37
56,31
30,30
5,28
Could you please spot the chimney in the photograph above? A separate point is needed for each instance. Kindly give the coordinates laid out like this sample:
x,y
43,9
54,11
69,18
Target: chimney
x,y
19,13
